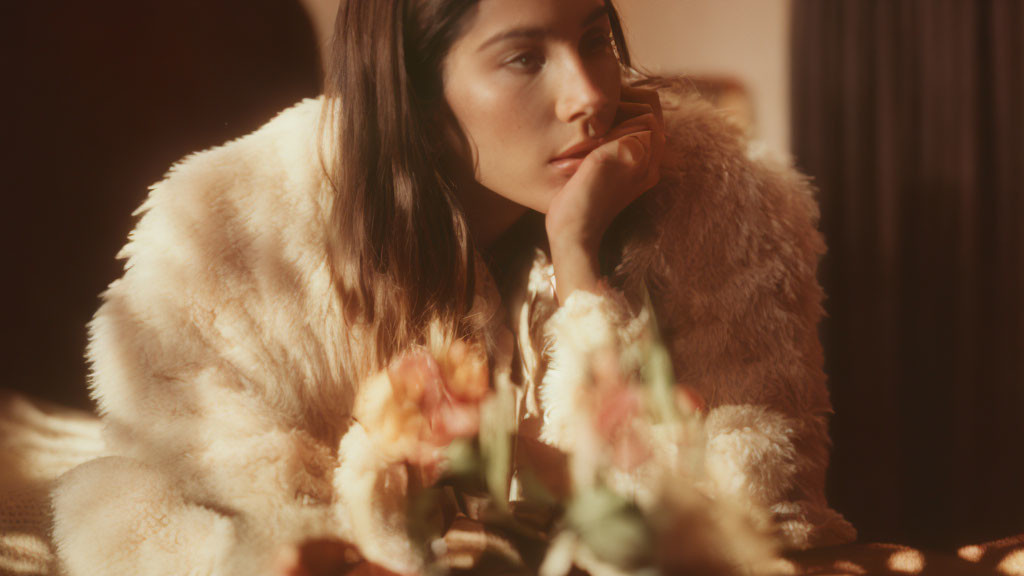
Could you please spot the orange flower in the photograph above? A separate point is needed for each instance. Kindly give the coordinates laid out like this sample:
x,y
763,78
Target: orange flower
x,y
439,401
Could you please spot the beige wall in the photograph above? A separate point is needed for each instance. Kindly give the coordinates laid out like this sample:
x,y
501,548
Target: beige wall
x,y
746,39
321,14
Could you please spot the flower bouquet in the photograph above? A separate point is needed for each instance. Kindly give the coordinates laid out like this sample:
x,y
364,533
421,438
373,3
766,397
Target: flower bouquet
x,y
627,499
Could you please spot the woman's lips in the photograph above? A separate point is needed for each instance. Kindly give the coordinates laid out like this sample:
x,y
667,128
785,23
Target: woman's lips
x,y
569,160
567,165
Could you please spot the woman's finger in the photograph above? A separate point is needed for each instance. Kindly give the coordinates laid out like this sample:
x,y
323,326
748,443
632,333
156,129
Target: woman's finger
x,y
633,152
640,123
628,110
654,166
644,96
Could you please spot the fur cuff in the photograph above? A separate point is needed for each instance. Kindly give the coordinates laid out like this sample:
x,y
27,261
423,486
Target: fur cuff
x,y
585,323
751,457
372,494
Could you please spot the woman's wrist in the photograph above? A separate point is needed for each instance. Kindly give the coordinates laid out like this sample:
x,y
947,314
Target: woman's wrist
x,y
576,267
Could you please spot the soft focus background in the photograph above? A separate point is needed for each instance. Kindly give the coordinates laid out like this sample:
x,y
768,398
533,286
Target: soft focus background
x,y
907,113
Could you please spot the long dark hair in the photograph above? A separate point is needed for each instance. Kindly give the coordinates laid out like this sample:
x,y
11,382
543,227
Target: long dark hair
x,y
401,253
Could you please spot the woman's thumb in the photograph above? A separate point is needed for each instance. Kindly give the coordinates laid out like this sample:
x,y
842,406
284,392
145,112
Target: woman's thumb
x,y
633,148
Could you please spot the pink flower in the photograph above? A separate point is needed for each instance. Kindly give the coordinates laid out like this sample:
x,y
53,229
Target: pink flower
x,y
619,404
439,401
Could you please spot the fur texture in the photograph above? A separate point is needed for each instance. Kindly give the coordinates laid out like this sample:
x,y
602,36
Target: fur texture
x,y
728,246
227,385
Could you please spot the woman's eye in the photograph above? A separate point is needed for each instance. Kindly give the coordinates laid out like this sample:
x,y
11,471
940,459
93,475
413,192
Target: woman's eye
x,y
598,43
526,61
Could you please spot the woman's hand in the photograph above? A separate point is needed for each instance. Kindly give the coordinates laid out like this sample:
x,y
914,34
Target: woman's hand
x,y
625,165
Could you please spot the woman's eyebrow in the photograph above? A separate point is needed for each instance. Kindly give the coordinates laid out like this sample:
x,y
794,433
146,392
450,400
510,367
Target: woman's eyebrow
x,y
595,15
540,32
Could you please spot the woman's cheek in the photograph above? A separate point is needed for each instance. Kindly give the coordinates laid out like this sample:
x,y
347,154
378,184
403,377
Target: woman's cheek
x,y
506,119
509,150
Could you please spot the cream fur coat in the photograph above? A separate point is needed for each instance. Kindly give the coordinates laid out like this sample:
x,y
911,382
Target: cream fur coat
x,y
221,376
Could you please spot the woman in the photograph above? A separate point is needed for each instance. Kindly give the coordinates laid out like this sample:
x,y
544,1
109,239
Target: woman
x,y
249,361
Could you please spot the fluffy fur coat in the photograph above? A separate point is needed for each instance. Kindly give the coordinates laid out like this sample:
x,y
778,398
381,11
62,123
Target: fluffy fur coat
x,y
227,389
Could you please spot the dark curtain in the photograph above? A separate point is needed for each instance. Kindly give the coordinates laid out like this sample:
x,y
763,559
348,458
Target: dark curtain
x,y
99,99
908,115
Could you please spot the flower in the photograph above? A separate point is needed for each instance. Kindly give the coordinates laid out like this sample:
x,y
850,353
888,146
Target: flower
x,y
619,404
436,402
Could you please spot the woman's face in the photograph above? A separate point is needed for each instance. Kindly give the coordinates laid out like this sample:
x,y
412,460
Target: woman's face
x,y
533,85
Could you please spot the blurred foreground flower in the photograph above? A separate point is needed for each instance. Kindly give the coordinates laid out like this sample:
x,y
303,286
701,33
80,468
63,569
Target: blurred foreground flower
x,y
420,404
627,497
619,403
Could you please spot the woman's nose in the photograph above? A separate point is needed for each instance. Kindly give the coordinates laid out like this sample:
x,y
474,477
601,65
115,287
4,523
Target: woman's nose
x,y
580,95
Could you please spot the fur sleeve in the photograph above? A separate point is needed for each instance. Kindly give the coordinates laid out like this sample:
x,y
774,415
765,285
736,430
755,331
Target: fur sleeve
x,y
767,429
372,490
220,368
728,245
734,264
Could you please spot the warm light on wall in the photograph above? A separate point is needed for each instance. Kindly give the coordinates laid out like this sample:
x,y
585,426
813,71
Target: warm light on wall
x,y
743,39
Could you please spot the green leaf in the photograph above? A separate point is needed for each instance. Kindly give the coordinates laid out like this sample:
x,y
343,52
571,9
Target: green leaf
x,y
462,458
497,426
425,518
657,373
611,527
656,369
